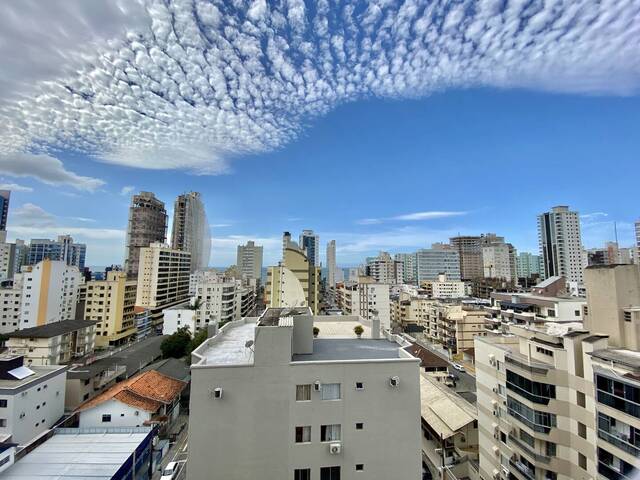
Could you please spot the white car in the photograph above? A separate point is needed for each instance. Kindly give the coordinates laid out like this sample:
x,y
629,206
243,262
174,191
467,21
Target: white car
x,y
170,471
458,367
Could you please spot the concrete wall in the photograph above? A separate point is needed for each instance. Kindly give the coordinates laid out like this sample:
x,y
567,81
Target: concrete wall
x,y
122,415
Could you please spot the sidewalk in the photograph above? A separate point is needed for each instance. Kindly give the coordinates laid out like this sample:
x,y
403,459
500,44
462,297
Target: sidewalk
x,y
178,450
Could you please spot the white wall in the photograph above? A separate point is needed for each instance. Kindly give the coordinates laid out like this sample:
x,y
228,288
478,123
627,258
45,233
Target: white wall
x,y
176,318
122,415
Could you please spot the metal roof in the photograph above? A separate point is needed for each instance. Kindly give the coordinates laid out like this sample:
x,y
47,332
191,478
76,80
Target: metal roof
x,y
53,329
445,412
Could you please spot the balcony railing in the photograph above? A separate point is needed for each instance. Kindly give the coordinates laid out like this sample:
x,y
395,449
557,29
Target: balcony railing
x,y
525,363
538,457
523,469
619,441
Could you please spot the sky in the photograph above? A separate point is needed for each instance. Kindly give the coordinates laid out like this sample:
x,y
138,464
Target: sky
x,y
384,125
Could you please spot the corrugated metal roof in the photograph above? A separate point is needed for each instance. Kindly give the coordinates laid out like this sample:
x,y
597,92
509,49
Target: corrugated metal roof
x,y
444,411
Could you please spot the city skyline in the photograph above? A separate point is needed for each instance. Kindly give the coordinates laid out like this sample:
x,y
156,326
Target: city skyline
x,y
459,144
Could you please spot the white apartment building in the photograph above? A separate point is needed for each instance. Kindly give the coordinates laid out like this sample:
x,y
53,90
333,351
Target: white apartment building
x,y
408,267
637,249
432,262
366,299
249,260
560,243
10,300
54,343
31,399
384,269
499,261
284,405
331,264
49,293
442,287
11,257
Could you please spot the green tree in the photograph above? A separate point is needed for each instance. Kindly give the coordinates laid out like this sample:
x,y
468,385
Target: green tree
x,y
177,344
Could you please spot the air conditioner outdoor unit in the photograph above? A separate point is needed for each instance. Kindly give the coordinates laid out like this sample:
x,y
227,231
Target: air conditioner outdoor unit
x,y
394,381
495,389
317,386
496,474
217,393
335,448
496,450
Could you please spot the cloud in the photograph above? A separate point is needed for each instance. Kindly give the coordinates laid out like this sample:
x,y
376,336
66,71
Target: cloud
x,y
14,187
219,225
190,85
31,216
83,219
127,190
46,169
588,217
416,216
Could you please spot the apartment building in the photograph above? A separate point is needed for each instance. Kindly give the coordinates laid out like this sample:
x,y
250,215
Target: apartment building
x,y
191,232
49,293
331,264
309,242
329,402
408,267
31,399
12,257
469,248
528,265
560,243
163,278
147,224
384,269
5,198
55,343
10,298
62,249
366,299
442,287
432,262
249,260
499,261
111,303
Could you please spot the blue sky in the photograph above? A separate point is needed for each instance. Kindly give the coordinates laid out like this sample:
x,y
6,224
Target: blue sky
x,y
323,133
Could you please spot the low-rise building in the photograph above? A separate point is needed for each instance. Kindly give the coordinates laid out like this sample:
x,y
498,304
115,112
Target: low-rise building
x,y
329,402
442,287
55,343
31,399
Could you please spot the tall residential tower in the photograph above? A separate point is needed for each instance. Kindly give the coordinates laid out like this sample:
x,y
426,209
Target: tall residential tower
x,y
249,260
310,243
190,231
561,244
331,264
147,225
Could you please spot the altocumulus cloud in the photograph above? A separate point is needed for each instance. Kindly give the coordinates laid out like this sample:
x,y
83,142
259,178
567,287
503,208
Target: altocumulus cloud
x,y
191,83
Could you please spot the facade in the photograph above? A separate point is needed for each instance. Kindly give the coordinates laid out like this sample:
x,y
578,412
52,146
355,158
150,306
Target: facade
x,y
329,401
31,399
283,289
637,249
5,197
191,231
408,267
163,278
432,262
49,293
310,244
442,287
11,297
499,261
110,303
56,343
331,264
63,249
366,299
469,248
147,224
384,269
560,243
528,265
249,260
12,257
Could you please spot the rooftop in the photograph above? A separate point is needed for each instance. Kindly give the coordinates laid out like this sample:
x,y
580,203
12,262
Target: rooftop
x,y
52,329
444,411
39,372
350,349
272,316
628,358
228,347
70,454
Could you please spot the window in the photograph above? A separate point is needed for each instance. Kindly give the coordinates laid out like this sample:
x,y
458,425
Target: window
x,y
544,351
359,426
627,316
503,437
329,473
330,391
330,433
577,313
582,430
582,461
302,474
359,386
359,467
106,418
3,422
580,399
303,393
551,449
303,434
3,403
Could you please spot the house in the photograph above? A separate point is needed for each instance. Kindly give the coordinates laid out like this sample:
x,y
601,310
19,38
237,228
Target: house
x,y
147,399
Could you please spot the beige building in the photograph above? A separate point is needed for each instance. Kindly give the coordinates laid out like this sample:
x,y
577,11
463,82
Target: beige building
x,y
442,287
283,289
163,279
11,297
55,343
111,304
367,299
286,405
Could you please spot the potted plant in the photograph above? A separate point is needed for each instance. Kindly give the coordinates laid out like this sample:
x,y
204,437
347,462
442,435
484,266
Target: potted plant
x,y
316,331
358,330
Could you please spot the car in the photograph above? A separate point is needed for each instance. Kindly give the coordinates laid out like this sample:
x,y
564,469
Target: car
x,y
458,367
170,471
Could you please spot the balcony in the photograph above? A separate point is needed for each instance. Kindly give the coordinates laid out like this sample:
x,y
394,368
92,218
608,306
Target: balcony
x,y
527,364
108,376
523,469
537,457
619,440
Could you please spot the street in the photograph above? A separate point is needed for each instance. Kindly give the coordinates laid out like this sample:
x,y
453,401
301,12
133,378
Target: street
x,y
177,452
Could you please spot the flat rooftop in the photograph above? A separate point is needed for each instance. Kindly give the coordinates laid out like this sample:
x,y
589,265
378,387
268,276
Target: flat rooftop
x,y
628,358
40,373
325,349
228,347
272,316
70,454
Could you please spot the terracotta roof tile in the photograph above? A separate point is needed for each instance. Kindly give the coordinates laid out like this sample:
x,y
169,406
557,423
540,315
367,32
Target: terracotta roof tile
x,y
147,391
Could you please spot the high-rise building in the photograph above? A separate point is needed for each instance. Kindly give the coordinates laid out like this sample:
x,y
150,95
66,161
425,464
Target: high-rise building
x,y
561,244
432,262
63,249
111,304
331,264
366,299
637,249
147,225
249,260
49,293
310,243
408,267
190,231
163,278
316,408
5,196
499,261
469,248
12,257
384,269
528,265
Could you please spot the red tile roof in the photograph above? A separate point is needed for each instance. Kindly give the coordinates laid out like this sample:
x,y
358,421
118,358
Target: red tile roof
x,y
146,391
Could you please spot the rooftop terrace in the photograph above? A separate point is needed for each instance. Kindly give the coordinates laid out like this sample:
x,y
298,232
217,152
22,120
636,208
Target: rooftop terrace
x,y
228,347
325,349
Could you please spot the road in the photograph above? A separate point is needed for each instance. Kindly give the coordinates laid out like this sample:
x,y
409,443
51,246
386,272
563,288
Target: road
x,y
177,453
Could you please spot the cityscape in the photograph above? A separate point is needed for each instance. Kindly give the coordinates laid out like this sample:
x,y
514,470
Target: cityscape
x,y
319,240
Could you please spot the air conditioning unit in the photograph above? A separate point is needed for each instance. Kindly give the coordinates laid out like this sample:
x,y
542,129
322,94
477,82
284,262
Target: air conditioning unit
x,y
22,415
496,475
495,389
496,450
217,393
317,386
394,381
335,448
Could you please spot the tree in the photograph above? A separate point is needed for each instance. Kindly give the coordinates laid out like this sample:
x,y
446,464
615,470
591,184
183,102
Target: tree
x,y
177,344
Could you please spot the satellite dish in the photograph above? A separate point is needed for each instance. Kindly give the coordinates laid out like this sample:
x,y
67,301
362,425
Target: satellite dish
x,y
248,344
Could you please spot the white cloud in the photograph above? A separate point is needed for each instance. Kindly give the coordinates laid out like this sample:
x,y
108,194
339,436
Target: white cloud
x,y
31,216
14,187
127,190
416,216
46,169
589,217
189,85
219,225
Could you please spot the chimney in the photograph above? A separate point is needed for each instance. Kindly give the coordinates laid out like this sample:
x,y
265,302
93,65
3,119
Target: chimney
x,y
375,326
